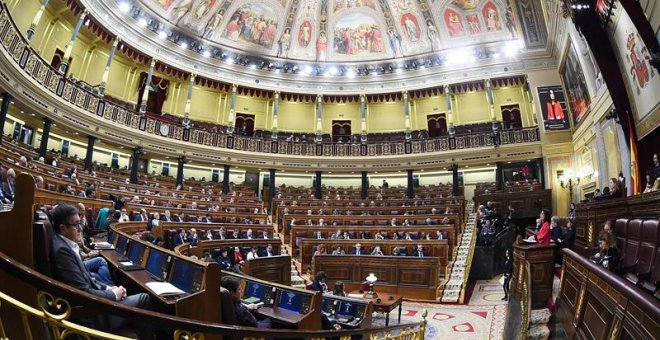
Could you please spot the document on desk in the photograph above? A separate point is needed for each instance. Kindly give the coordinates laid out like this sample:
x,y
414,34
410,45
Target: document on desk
x,y
164,288
103,245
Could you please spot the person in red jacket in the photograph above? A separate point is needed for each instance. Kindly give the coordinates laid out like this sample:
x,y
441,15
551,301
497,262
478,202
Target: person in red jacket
x,y
543,236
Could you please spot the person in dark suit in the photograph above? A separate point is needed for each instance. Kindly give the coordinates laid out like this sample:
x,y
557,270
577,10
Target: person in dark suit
x,y
224,260
566,240
268,251
608,256
358,250
508,272
419,252
70,269
319,284
180,237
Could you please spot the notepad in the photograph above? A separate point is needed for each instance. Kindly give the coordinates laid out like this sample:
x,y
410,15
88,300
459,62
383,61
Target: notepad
x,y
164,288
251,299
103,245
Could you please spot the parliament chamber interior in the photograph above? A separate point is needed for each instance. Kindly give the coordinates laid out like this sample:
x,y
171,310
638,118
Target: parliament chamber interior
x,y
329,169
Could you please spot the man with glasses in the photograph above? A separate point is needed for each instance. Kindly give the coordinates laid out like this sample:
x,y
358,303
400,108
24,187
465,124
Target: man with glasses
x,y
69,268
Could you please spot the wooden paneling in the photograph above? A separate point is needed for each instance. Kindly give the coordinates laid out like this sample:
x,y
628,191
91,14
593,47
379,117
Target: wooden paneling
x,y
592,215
594,303
412,277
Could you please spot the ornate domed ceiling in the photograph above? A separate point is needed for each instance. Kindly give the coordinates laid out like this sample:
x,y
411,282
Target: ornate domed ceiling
x,y
342,30
335,37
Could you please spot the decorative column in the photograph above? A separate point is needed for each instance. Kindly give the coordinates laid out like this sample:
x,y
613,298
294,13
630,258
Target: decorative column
x,y
6,101
365,185
406,114
91,140
106,72
530,94
181,161
135,164
232,106
450,116
225,180
147,86
45,134
271,190
363,119
411,187
319,119
69,47
276,112
491,103
454,180
602,162
499,175
318,194
186,110
37,18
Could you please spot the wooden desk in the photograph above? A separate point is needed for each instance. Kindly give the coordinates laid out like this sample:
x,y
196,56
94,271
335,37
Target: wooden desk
x,y
542,268
412,277
437,248
297,232
281,315
384,303
201,305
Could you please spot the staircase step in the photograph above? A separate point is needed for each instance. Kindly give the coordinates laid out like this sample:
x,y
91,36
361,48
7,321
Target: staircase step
x,y
540,316
538,332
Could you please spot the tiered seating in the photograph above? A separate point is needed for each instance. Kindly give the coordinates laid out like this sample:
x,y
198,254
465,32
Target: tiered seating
x,y
637,241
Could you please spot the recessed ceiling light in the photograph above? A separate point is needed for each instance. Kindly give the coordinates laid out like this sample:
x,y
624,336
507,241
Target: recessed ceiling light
x,y
184,45
32,114
142,22
124,6
206,54
350,73
162,34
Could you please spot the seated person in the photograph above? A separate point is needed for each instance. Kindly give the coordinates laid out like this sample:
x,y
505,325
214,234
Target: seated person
x,y
253,254
338,251
339,289
377,251
567,238
224,260
320,250
419,252
358,250
243,312
268,251
608,256
67,266
319,282
237,260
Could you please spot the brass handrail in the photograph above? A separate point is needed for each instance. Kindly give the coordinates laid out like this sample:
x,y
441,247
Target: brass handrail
x,y
55,302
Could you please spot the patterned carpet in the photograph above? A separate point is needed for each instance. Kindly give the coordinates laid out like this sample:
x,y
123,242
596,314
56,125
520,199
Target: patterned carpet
x,y
483,318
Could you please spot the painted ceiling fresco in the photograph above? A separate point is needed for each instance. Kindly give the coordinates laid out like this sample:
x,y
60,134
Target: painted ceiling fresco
x,y
344,30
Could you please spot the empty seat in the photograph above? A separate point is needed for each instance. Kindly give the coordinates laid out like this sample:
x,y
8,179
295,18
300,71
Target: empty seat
x,y
632,244
621,230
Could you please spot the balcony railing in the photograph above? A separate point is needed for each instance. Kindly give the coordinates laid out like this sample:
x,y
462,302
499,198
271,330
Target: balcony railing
x,y
80,96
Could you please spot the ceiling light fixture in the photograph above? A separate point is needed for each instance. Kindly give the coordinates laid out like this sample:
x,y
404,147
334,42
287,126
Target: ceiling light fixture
x,y
124,6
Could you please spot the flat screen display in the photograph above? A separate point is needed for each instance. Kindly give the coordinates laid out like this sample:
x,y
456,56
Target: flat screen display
x,y
347,308
121,244
254,289
135,252
290,300
186,276
111,236
157,262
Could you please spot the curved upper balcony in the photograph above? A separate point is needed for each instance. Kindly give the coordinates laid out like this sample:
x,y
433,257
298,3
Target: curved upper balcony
x,y
39,86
